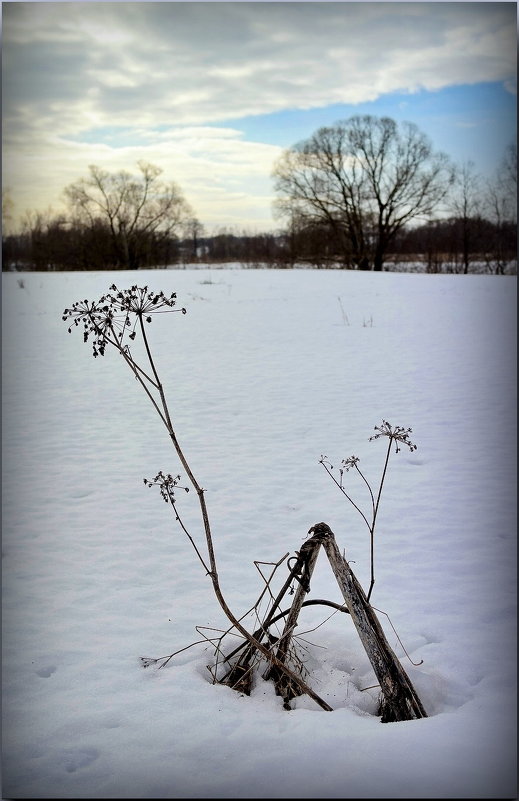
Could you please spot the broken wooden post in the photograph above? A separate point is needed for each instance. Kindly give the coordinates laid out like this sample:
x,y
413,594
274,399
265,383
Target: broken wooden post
x,y
399,698
306,559
239,676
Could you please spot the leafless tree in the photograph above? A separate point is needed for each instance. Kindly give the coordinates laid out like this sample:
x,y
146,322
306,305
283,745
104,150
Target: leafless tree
x,y
504,186
7,208
365,178
135,209
194,230
508,173
466,204
501,210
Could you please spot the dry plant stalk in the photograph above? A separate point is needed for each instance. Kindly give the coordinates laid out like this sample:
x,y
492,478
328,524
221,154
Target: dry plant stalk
x,y
396,435
115,320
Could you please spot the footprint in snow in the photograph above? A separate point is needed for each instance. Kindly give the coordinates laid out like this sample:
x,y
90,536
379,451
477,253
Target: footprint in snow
x,y
45,672
80,758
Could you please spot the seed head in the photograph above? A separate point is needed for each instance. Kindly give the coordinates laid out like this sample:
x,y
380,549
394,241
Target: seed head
x,y
396,434
116,314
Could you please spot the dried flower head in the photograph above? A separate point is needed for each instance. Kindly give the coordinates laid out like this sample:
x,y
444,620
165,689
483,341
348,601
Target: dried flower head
x,y
117,313
143,303
167,485
352,461
396,434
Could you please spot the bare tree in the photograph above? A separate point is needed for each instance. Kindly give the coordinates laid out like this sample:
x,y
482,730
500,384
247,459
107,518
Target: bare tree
x,y
365,178
508,173
501,210
467,206
7,208
319,186
193,230
501,196
136,210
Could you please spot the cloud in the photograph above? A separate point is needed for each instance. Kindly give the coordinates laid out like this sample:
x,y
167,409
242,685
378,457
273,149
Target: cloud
x,y
224,177
73,69
191,63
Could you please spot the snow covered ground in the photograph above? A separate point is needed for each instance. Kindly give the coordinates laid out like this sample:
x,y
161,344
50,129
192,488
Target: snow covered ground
x,y
266,372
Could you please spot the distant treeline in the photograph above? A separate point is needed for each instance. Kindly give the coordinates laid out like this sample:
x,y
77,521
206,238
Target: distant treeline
x,y
460,245
354,195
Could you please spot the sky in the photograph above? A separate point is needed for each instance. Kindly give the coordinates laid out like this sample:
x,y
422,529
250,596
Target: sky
x,y
212,93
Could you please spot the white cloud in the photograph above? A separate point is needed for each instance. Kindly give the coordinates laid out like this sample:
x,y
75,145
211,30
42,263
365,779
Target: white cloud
x,y
72,67
215,61
225,178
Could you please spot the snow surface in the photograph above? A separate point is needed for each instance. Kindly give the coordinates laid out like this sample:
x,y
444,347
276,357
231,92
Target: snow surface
x,y
267,371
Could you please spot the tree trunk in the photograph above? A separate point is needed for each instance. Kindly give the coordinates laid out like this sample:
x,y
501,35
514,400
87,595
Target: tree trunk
x,y
378,259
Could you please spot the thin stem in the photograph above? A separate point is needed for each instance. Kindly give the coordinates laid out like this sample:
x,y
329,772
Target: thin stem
x,y
375,512
186,532
380,611
359,471
361,513
269,618
134,368
213,573
126,350
382,479
148,661
145,338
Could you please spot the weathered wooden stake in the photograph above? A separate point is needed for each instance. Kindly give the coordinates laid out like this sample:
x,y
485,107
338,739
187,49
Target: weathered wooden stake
x,y
307,558
399,698
239,676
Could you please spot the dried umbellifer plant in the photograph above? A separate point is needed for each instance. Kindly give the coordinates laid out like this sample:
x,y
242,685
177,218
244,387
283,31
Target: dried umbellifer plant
x,y
396,436
116,321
